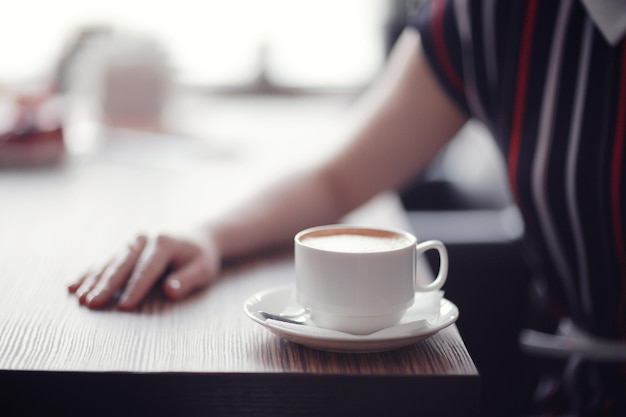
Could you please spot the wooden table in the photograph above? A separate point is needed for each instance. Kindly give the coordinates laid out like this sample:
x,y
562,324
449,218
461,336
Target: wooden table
x,y
202,356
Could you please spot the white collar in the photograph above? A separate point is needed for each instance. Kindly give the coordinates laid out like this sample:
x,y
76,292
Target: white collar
x,y
609,17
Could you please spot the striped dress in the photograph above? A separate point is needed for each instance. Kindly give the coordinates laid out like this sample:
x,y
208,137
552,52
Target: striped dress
x,y
552,91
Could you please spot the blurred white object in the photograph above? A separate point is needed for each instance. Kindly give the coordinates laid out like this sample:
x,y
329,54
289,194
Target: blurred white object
x,y
572,341
125,80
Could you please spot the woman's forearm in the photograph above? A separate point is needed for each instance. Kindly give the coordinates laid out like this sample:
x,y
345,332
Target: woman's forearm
x,y
395,130
275,215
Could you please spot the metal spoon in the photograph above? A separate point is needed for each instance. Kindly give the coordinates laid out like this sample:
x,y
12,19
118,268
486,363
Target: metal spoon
x,y
291,318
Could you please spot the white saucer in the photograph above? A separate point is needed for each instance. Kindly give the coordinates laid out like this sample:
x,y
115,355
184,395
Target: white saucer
x,y
277,300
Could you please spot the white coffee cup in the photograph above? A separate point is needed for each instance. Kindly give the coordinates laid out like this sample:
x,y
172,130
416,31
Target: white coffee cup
x,y
360,279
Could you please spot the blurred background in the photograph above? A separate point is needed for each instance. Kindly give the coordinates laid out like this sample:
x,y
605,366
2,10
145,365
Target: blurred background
x,y
258,79
139,64
322,44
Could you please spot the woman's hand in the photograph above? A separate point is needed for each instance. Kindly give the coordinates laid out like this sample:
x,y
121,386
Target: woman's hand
x,y
185,264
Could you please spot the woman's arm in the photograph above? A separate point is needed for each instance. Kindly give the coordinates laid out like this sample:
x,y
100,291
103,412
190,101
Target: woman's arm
x,y
395,129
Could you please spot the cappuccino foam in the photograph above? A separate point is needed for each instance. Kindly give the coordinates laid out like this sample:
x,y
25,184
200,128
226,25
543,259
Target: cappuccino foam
x,y
356,242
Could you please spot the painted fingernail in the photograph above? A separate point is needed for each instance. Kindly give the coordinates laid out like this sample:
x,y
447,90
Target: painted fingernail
x,y
82,296
91,296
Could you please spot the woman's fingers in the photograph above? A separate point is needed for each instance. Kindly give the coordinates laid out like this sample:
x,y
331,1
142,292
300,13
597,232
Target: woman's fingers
x,y
140,266
87,285
73,287
191,277
115,275
151,265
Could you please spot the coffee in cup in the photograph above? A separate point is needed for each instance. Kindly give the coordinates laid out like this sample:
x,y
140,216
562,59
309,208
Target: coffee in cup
x,y
360,279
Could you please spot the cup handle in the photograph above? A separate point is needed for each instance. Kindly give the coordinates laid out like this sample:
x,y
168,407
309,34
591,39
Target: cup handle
x,y
443,264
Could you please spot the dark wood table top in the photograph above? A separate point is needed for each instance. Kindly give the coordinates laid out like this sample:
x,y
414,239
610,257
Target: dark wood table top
x,y
203,355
